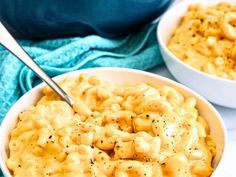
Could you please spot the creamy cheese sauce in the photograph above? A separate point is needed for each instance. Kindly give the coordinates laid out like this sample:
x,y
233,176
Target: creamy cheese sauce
x,y
141,130
206,39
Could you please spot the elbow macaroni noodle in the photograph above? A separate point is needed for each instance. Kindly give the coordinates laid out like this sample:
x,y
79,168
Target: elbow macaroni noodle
x,y
206,39
141,130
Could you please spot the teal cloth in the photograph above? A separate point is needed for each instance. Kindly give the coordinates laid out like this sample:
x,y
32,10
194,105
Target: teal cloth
x,y
58,56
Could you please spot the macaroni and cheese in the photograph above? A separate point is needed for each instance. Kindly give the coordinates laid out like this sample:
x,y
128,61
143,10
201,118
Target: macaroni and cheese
x,y
206,39
141,130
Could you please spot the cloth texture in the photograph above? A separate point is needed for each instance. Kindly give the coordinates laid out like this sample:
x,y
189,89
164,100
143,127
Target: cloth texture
x,y
57,56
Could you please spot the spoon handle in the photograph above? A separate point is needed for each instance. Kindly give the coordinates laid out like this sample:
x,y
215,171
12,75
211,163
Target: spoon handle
x,y
10,44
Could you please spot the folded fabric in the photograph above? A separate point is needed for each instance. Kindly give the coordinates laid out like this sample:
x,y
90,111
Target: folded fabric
x,y
58,56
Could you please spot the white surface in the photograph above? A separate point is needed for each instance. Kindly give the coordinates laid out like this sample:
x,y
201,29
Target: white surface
x,y
229,117
120,76
209,86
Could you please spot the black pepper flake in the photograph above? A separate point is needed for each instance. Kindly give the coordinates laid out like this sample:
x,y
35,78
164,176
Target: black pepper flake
x,y
101,141
50,137
67,153
147,115
67,146
92,147
99,152
19,165
91,161
163,164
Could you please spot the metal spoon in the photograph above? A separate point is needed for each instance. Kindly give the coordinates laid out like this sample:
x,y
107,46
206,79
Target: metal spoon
x,y
10,44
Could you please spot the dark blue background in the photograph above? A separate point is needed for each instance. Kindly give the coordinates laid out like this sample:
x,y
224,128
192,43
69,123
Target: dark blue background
x,y
62,18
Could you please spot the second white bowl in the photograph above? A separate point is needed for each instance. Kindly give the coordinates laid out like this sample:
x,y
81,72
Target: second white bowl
x,y
215,89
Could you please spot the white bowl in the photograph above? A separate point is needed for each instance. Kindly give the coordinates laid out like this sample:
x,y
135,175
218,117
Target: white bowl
x,y
119,76
217,90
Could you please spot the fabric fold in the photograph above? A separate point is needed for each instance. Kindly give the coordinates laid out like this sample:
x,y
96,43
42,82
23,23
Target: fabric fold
x,y
58,56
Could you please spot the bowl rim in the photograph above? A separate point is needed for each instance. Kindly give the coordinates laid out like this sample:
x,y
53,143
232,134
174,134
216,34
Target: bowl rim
x,y
184,88
166,50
